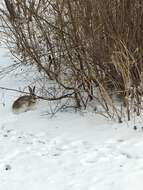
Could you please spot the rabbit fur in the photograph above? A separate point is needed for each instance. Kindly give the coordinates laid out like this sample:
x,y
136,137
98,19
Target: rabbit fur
x,y
25,103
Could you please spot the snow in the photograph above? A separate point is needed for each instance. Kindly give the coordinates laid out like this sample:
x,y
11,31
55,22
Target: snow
x,y
70,151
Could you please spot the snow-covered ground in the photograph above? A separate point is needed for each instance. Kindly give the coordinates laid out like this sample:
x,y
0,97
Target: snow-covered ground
x,y
70,151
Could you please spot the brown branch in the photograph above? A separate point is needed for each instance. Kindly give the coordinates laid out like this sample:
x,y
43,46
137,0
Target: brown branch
x,y
40,97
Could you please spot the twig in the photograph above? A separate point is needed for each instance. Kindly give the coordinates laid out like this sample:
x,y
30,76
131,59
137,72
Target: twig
x,y
40,97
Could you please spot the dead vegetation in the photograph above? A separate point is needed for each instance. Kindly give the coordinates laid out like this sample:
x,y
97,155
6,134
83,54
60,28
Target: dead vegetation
x,y
92,49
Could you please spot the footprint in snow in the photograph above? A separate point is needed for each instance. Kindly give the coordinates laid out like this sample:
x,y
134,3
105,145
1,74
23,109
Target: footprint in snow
x,y
7,167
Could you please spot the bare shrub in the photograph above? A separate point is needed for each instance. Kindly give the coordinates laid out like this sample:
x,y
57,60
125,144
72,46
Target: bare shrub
x,y
92,48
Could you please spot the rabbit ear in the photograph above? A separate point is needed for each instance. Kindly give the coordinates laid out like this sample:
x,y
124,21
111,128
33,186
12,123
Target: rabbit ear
x,y
30,90
33,91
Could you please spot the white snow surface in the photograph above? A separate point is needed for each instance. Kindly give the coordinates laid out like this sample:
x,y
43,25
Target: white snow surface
x,y
70,151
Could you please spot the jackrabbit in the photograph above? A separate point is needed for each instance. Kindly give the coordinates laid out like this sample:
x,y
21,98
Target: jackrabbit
x,y
25,103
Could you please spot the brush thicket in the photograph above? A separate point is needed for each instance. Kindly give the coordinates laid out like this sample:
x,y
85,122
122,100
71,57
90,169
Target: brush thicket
x,y
93,48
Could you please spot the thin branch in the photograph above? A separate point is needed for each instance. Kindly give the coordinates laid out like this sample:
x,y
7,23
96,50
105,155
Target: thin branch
x,y
40,97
